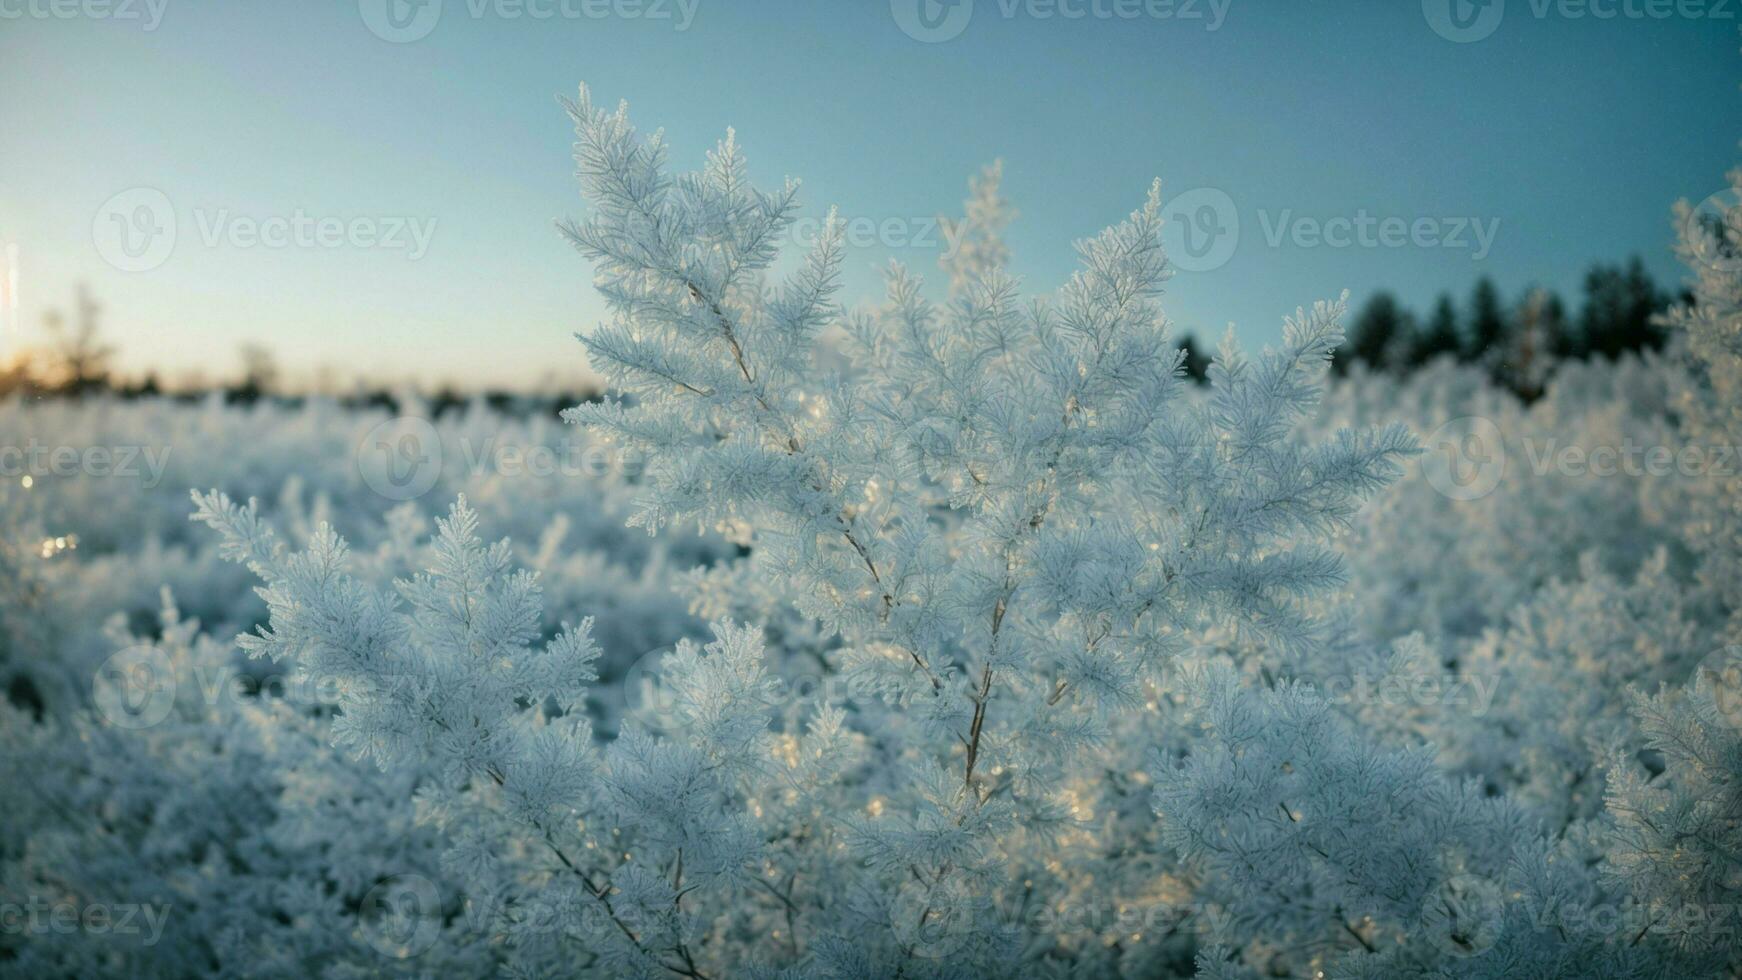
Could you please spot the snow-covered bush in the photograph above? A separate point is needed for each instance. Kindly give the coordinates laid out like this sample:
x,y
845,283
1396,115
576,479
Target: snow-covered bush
x,y
154,776
1012,518
1002,649
83,541
210,826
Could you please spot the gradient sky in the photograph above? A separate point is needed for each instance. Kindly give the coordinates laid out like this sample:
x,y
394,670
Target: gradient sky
x,y
1575,134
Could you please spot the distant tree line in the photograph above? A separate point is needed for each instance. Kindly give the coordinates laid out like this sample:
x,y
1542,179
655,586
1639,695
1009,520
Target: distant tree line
x,y
1518,343
75,363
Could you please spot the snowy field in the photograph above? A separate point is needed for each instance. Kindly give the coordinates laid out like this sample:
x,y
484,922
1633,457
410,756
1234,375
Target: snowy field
x,y
999,650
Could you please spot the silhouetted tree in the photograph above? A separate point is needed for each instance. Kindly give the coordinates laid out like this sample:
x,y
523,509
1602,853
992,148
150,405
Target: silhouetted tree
x,y
1382,335
1486,341
84,358
259,374
1620,304
1440,339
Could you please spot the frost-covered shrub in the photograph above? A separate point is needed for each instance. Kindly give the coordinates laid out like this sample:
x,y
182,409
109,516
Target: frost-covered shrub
x,y
1559,674
577,858
102,527
211,827
1452,559
1008,516
1026,657
1711,402
248,842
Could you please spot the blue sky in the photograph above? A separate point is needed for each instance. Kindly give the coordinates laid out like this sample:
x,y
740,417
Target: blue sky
x,y
438,164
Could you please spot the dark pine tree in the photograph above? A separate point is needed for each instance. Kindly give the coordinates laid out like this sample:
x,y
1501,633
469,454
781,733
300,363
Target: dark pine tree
x,y
1620,303
1485,344
1440,339
1382,335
